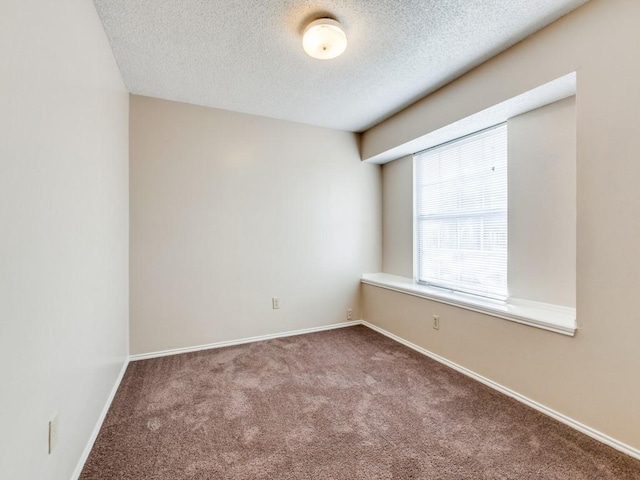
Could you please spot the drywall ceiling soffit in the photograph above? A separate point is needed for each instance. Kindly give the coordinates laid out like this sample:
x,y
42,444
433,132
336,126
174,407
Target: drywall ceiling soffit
x,y
246,56
551,92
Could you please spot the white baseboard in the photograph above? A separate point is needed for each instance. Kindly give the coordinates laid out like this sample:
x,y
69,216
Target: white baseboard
x,y
98,426
229,343
595,434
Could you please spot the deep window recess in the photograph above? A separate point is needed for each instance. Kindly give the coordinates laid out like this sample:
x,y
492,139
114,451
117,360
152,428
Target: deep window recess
x,y
461,214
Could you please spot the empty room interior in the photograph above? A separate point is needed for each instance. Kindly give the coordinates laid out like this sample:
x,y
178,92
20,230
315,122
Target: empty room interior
x,y
319,239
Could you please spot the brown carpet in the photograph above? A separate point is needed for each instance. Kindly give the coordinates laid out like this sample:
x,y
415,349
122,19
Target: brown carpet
x,y
341,404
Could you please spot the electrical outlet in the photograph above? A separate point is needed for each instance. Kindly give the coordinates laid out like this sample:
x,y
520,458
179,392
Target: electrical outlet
x,y
349,314
436,322
53,432
275,303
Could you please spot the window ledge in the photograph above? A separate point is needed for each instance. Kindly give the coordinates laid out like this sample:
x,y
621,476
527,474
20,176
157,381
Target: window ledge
x,y
550,317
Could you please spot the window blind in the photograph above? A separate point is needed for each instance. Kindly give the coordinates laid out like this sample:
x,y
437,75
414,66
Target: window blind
x,y
461,214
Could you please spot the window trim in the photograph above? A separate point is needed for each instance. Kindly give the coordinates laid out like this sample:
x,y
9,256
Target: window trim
x,y
554,318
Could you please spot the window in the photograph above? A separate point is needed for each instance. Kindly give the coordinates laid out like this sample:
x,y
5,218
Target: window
x,y
461,214
468,199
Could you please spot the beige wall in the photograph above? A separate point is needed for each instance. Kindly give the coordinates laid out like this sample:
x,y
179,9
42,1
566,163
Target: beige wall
x,y
397,217
229,210
63,231
591,377
542,204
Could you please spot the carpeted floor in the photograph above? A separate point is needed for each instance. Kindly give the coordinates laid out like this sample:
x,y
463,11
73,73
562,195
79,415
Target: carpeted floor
x,y
342,404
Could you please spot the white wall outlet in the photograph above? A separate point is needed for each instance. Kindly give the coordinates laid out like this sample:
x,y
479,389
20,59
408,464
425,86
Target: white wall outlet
x,y
275,303
349,314
53,432
436,322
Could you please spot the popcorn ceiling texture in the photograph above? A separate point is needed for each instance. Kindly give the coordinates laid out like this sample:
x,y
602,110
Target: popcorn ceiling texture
x,y
343,404
247,56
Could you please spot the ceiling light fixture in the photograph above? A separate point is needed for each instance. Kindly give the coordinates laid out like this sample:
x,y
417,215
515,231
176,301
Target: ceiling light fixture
x,y
324,39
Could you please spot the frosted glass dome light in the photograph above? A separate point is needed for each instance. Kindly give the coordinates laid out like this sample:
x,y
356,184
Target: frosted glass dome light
x,y
324,39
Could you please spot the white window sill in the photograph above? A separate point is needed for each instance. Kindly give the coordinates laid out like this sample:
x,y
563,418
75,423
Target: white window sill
x,y
555,318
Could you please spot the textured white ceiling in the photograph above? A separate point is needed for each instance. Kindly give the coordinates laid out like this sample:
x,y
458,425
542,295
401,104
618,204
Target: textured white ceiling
x,y
246,55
